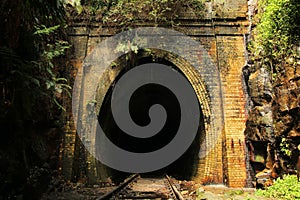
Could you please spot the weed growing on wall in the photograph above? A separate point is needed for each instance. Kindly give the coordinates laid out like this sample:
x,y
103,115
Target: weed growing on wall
x,y
127,13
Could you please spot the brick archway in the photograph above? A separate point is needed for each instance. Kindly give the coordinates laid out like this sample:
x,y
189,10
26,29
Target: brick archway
x,y
222,33
210,146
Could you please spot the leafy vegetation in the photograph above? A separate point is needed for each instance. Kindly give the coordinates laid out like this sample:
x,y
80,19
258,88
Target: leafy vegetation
x,y
126,13
54,84
275,46
277,34
286,188
122,15
32,45
285,147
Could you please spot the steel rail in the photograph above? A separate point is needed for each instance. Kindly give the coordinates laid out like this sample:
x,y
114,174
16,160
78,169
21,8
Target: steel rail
x,y
122,186
175,190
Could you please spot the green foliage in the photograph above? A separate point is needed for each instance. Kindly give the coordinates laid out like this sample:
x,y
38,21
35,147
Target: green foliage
x,y
32,43
126,13
75,3
43,30
277,32
54,85
235,192
32,84
286,188
285,147
28,83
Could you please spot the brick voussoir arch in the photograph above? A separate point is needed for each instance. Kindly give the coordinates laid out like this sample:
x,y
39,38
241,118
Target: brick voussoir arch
x,y
187,55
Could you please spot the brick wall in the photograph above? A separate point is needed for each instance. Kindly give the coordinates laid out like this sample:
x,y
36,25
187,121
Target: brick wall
x,y
222,36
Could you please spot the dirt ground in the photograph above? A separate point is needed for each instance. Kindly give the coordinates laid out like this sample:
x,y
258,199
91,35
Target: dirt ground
x,y
211,192
220,192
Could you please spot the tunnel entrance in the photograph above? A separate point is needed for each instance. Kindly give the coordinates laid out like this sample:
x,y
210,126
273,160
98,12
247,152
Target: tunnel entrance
x,y
185,167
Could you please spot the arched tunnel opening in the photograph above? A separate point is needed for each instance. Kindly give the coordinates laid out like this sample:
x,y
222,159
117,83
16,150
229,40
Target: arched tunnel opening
x,y
186,166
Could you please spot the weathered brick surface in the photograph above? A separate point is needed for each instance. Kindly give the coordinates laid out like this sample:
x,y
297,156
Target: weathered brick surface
x,y
232,59
224,41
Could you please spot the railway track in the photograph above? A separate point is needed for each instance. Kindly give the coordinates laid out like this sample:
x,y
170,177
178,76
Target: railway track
x,y
136,187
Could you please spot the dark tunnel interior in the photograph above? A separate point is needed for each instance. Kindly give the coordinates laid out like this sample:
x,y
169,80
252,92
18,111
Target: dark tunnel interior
x,y
185,167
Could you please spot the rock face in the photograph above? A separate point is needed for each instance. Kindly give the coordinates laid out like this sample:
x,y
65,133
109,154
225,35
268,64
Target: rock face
x,y
273,124
260,87
260,119
287,104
